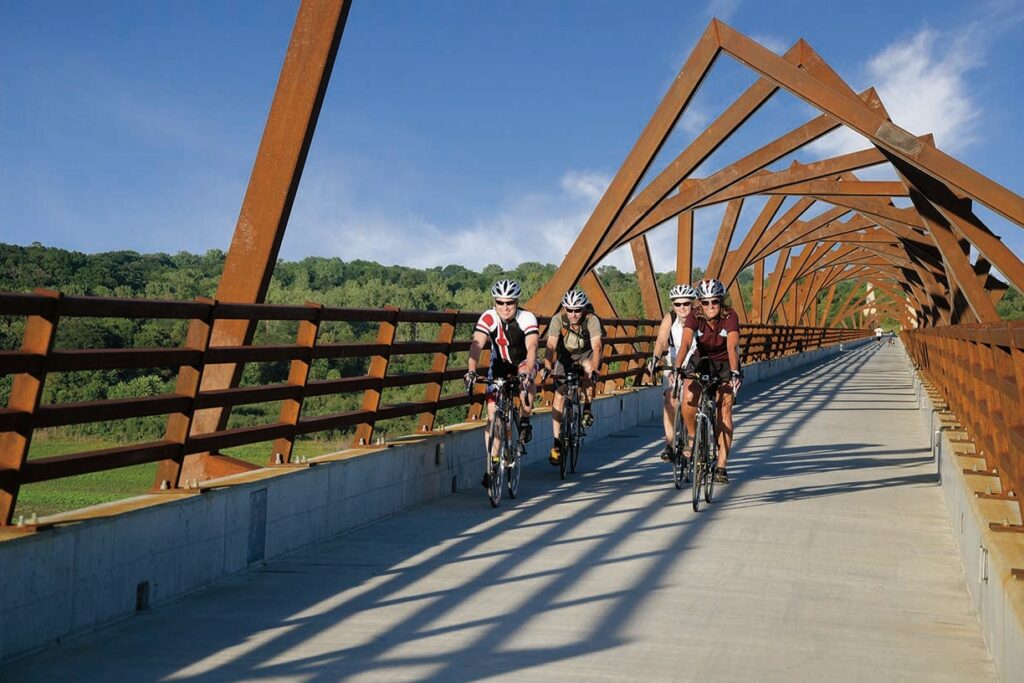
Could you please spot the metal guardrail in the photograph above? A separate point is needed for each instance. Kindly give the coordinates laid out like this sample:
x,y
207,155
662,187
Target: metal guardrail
x,y
627,344
978,371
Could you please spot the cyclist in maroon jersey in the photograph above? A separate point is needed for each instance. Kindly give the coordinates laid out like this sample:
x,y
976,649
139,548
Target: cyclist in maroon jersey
x,y
716,329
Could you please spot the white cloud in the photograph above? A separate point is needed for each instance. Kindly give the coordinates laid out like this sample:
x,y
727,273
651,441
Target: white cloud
x,y
722,9
585,184
774,43
923,83
540,226
694,120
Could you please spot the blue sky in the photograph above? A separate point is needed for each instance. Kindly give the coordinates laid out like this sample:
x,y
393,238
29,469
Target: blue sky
x,y
452,132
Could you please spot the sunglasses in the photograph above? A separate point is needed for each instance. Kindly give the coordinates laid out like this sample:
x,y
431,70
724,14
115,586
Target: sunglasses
x,y
682,304
711,302
574,310
505,303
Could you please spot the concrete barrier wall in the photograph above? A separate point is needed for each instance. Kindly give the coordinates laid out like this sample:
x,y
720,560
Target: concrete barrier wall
x,y
987,556
71,579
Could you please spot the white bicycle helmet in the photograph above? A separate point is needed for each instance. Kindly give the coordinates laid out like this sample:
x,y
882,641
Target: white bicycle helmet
x,y
506,289
710,289
682,291
575,298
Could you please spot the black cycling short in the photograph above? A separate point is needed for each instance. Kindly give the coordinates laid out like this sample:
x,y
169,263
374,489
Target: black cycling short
x,y
721,368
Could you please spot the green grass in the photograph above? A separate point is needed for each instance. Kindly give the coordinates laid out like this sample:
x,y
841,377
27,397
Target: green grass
x,y
71,493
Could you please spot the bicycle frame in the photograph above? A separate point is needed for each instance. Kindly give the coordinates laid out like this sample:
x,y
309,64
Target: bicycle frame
x,y
571,429
503,452
705,443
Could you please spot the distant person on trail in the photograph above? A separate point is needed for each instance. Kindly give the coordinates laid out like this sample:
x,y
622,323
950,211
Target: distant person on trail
x,y
512,333
716,329
573,337
878,336
670,338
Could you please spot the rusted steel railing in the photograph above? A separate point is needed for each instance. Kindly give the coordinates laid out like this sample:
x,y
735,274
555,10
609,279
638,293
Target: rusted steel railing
x,y
43,311
978,370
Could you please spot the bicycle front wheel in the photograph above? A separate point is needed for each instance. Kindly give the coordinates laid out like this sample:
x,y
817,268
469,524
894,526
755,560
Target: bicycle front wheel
x,y
679,468
699,463
709,486
495,465
567,437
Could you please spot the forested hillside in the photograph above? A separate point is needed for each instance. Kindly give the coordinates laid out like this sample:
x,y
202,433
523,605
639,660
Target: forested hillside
x,y
329,281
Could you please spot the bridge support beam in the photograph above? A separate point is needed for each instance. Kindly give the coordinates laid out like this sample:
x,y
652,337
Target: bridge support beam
x,y
271,192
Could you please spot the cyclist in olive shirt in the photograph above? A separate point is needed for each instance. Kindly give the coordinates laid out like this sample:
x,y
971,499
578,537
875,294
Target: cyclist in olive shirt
x,y
573,337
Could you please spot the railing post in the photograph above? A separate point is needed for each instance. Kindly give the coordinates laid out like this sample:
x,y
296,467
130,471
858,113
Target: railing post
x,y
440,364
179,425
476,409
298,376
378,370
26,392
635,347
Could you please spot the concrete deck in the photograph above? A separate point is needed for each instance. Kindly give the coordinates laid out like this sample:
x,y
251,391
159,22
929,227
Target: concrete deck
x,y
829,557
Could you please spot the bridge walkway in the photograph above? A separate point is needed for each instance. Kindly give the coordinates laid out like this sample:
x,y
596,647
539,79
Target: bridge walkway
x,y
829,557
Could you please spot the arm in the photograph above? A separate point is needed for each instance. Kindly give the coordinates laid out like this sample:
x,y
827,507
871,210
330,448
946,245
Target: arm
x,y
475,347
531,351
687,340
597,345
733,346
549,353
661,343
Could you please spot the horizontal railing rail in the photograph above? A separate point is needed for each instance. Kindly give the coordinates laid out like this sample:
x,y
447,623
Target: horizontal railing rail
x,y
978,371
627,346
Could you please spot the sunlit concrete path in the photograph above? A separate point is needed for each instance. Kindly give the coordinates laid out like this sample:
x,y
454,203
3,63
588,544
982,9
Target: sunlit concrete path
x,y
829,557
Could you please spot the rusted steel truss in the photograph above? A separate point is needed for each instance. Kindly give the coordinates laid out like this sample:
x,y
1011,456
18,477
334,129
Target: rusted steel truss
x,y
847,251
924,248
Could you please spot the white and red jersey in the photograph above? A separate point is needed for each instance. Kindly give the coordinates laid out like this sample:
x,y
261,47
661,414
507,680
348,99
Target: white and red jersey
x,y
508,339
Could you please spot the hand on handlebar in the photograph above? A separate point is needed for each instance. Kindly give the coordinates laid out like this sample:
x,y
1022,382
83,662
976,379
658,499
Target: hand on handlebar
x,y
470,380
736,379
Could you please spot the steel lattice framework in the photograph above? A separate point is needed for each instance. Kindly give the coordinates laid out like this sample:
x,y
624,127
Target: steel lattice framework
x,y
916,260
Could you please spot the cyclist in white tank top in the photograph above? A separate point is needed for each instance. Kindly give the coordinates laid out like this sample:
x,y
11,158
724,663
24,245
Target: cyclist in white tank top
x,y
670,338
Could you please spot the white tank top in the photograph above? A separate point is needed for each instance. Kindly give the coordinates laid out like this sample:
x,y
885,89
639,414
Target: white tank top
x,y
676,340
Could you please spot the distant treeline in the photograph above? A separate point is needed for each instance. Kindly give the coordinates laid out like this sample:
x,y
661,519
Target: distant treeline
x,y
328,281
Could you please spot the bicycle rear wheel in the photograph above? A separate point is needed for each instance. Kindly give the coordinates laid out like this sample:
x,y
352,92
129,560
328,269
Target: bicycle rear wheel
x,y
513,468
495,468
577,439
567,437
679,468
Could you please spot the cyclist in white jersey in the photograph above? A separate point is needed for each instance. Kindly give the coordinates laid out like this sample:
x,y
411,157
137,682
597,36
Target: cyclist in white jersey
x,y
513,336
670,337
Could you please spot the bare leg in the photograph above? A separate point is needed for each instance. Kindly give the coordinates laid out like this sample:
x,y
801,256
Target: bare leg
x,y
556,412
492,408
724,426
668,417
691,392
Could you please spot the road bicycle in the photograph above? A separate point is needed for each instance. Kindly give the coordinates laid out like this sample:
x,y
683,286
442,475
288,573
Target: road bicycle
x,y
705,442
572,432
503,439
682,469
